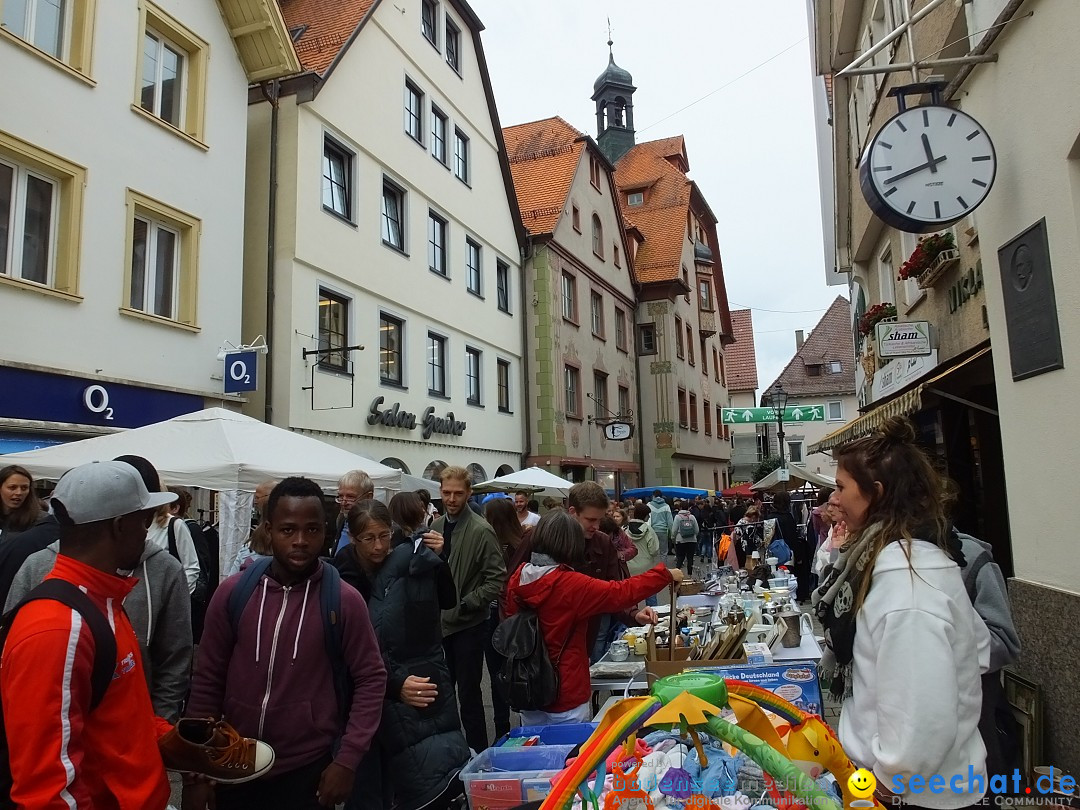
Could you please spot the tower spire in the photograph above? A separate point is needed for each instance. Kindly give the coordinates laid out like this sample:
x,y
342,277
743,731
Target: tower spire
x,y
610,42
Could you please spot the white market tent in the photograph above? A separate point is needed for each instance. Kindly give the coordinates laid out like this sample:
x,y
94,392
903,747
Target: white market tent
x,y
220,450
531,480
213,449
783,479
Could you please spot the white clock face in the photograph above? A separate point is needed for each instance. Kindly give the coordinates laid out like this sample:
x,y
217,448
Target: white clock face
x,y
931,165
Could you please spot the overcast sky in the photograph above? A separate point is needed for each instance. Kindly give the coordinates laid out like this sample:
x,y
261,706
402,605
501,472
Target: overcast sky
x,y
751,142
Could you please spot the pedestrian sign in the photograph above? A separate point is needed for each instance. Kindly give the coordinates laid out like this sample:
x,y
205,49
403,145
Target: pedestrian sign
x,y
793,413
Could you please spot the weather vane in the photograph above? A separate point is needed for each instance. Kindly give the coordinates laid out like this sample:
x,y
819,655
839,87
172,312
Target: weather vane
x,y
610,42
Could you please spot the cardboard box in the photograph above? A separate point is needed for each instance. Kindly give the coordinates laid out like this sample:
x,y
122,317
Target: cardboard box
x,y
757,653
655,670
795,681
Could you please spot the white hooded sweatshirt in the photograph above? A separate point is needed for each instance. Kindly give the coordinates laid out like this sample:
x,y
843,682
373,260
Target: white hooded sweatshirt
x,y
919,650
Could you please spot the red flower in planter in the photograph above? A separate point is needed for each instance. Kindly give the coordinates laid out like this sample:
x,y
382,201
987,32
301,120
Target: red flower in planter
x,y
924,255
877,312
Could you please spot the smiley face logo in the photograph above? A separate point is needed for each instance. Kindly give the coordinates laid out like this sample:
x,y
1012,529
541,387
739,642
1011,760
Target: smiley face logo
x,y
862,783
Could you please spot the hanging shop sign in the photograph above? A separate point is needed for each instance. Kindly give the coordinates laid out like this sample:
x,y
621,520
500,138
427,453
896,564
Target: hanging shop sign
x,y
911,339
396,417
618,431
241,371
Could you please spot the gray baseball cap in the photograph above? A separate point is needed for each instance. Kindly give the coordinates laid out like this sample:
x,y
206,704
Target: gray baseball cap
x,y
103,490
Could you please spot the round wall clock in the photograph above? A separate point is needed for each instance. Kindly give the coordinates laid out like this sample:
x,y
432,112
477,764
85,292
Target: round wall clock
x,y
927,167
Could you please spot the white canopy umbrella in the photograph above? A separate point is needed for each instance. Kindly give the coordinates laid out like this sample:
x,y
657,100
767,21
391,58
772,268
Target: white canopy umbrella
x,y
214,449
220,450
782,479
533,479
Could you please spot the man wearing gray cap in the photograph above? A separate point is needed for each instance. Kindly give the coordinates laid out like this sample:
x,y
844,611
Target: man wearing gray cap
x,y
82,721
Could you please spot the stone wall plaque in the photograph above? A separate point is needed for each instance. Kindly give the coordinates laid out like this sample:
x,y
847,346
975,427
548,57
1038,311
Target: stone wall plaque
x,y
1031,318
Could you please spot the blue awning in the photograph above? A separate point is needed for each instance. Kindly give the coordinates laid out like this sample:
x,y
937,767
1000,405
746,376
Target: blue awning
x,y
18,442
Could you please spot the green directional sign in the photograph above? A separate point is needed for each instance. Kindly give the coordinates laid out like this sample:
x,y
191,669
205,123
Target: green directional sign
x,y
794,413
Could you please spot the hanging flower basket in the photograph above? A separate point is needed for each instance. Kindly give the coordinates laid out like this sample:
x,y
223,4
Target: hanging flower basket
x,y
885,311
945,260
933,255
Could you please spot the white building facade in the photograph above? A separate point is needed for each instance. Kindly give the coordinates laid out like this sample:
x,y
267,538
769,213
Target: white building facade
x,y
396,232
122,149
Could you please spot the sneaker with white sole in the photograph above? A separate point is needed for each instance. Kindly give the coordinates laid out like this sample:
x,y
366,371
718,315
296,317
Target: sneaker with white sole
x,y
214,749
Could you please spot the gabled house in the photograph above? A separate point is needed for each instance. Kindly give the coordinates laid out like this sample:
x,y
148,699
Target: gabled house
x,y
383,252
122,149
822,373
579,284
682,322
740,360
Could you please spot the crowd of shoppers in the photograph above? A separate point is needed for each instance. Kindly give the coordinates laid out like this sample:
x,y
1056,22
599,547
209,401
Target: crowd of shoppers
x,y
357,679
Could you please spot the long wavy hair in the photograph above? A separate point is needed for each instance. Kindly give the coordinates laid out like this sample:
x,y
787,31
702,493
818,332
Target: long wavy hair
x,y
914,499
502,516
26,514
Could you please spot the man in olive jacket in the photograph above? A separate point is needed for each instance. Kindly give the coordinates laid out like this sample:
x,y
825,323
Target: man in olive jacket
x,y
479,572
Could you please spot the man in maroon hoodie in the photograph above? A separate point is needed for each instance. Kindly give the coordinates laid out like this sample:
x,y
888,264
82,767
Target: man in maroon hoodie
x,y
273,679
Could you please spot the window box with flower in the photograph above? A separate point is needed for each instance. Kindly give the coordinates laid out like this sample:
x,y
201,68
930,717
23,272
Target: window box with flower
x,y
885,311
933,255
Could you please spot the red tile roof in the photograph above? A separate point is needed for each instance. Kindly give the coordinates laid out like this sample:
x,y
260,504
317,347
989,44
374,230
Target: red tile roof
x,y
740,357
658,167
544,156
830,340
330,24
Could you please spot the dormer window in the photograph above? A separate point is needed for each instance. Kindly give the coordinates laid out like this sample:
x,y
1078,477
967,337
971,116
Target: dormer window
x,y
813,370
635,199
835,367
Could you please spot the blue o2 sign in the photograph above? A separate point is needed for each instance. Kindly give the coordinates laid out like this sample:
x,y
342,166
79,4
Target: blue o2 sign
x,y
45,397
241,372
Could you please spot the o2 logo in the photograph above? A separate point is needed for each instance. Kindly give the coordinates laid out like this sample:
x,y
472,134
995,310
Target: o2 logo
x,y
96,400
238,372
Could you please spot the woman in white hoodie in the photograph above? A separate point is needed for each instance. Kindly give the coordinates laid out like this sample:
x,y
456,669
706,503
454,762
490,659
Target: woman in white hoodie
x,y
906,647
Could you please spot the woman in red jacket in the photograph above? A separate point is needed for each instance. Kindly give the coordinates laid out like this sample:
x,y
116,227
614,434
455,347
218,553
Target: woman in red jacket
x,y
564,601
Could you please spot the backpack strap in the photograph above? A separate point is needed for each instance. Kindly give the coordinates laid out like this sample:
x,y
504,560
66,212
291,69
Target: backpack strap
x,y
249,580
334,637
66,593
172,538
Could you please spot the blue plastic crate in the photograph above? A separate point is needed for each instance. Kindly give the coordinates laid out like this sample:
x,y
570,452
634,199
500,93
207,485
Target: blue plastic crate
x,y
563,734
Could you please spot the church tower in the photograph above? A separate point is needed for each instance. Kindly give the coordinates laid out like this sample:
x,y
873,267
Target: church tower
x,y
613,92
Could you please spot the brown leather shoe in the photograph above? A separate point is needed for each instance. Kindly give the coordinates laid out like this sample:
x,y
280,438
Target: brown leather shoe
x,y
215,749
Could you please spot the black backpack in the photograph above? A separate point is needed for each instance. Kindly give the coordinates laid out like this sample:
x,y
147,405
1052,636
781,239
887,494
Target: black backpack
x,y
527,679
104,666
201,594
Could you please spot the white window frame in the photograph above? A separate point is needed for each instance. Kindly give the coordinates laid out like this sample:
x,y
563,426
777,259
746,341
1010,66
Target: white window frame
x,y
839,403
181,93
795,443
154,228
620,328
30,20
635,198
16,225
569,297
572,390
474,385
596,313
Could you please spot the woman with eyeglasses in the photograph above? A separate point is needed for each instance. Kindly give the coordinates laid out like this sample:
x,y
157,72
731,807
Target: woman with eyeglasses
x,y
419,749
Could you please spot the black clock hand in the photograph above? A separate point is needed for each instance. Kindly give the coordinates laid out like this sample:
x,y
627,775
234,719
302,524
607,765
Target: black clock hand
x,y
929,165
929,154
